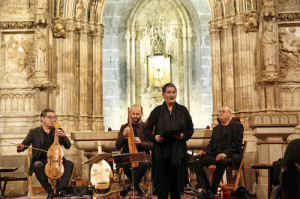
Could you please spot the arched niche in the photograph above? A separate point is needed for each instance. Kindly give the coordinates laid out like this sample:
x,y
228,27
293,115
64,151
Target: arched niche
x,y
159,28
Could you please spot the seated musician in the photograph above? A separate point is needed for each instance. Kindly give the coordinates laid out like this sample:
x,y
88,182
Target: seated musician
x,y
142,145
42,138
224,149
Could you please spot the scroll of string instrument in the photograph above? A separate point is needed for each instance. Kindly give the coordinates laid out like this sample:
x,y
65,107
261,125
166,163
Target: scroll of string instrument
x,y
101,174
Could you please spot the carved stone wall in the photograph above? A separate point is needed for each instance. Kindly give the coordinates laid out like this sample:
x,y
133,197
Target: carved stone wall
x,y
255,70
50,57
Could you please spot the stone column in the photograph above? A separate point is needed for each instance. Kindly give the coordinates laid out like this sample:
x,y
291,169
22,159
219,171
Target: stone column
x,y
271,131
132,68
83,78
97,79
128,37
227,65
216,69
185,96
238,31
190,76
68,89
250,93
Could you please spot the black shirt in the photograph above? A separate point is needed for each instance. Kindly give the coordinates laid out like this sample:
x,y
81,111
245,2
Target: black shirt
x,y
134,127
222,141
48,141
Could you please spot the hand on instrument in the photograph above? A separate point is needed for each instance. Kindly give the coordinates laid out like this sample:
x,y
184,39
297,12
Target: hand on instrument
x,y
158,138
220,156
60,133
201,153
137,140
126,131
20,147
179,137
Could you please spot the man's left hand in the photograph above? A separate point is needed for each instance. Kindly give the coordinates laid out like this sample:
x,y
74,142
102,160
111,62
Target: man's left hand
x,y
137,140
60,133
220,156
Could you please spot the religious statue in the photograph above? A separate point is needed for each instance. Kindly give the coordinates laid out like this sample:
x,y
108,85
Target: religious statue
x,y
93,12
78,9
230,7
269,47
41,50
218,10
158,78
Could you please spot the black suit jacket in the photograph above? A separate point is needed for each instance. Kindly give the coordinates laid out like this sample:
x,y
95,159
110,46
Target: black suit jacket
x,y
122,143
233,135
35,138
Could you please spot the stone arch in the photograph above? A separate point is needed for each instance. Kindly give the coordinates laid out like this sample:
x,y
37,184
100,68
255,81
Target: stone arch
x,y
118,20
296,95
138,90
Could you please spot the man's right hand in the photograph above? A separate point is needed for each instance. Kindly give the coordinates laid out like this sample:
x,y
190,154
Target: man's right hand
x,y
201,153
20,147
159,138
126,131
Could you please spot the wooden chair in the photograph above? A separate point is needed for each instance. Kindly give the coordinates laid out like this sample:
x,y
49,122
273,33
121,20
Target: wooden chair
x,y
32,189
234,185
149,184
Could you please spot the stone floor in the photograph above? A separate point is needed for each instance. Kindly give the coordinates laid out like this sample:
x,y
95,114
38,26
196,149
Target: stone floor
x,y
43,195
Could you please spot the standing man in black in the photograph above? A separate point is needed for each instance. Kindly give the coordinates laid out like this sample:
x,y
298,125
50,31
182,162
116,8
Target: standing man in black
x,y
224,149
142,145
42,138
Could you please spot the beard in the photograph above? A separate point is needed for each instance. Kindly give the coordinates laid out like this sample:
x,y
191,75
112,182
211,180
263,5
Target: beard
x,y
136,120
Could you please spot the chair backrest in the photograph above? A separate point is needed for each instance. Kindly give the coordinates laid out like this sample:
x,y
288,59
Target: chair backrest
x,y
244,152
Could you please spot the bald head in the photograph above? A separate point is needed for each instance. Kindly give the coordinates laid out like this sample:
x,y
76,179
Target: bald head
x,y
136,113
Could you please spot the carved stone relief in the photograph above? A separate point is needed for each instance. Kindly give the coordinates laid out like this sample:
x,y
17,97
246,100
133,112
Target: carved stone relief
x,y
288,17
158,37
279,119
290,96
268,11
288,5
78,9
93,12
17,25
17,52
289,52
16,10
250,23
59,28
17,102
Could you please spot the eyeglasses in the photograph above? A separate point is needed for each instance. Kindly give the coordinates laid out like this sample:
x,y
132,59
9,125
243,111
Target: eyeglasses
x,y
50,117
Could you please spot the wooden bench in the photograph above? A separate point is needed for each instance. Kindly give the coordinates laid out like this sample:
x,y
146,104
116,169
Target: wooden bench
x,y
6,178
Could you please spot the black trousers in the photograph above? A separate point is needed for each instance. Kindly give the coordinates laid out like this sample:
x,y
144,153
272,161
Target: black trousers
x,y
202,179
174,195
39,170
139,172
